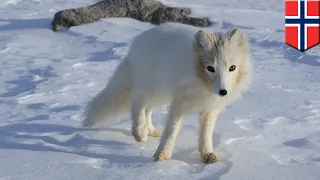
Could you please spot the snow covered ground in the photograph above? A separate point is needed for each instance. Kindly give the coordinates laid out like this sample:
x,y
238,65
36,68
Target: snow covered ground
x,y
47,77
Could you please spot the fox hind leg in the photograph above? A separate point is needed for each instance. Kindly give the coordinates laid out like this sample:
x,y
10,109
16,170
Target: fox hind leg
x,y
140,129
152,130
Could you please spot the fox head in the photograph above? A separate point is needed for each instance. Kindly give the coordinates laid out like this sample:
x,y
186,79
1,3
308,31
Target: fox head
x,y
223,60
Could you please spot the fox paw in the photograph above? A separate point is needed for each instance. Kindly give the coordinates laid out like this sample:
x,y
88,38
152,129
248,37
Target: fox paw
x,y
155,133
161,156
209,158
140,134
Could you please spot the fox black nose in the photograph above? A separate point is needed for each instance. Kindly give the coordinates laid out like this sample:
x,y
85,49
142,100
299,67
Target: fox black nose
x,y
223,92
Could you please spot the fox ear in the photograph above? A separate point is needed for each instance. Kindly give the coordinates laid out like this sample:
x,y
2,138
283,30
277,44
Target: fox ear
x,y
238,37
204,39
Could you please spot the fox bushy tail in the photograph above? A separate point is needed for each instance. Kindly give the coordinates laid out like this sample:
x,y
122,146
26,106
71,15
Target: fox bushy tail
x,y
114,100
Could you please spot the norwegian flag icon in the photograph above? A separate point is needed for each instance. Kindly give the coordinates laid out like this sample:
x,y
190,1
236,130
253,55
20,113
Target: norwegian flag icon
x,y
302,23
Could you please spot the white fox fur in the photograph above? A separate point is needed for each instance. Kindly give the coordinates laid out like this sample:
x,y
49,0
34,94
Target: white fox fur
x,y
168,66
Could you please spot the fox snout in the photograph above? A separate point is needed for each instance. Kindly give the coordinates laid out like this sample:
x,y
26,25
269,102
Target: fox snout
x,y
221,86
221,90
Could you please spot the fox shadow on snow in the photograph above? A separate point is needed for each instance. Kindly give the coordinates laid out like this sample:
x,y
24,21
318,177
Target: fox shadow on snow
x,y
11,135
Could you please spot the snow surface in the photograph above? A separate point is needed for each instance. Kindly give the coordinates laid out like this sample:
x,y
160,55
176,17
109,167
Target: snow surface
x,y
47,77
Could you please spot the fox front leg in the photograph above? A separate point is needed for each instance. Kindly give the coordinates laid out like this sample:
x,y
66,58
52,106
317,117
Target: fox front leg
x,y
207,123
179,109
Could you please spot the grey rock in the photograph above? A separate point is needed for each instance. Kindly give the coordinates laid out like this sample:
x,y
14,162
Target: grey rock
x,y
143,10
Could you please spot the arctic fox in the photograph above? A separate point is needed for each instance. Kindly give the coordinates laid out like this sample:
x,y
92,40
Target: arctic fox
x,y
182,67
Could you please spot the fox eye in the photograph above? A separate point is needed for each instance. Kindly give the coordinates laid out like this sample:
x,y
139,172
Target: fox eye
x,y
210,68
232,68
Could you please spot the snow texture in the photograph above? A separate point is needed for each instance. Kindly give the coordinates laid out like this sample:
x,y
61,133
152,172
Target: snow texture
x,y
47,77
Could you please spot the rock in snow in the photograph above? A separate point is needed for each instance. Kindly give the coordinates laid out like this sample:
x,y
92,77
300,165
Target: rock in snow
x,y
142,10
